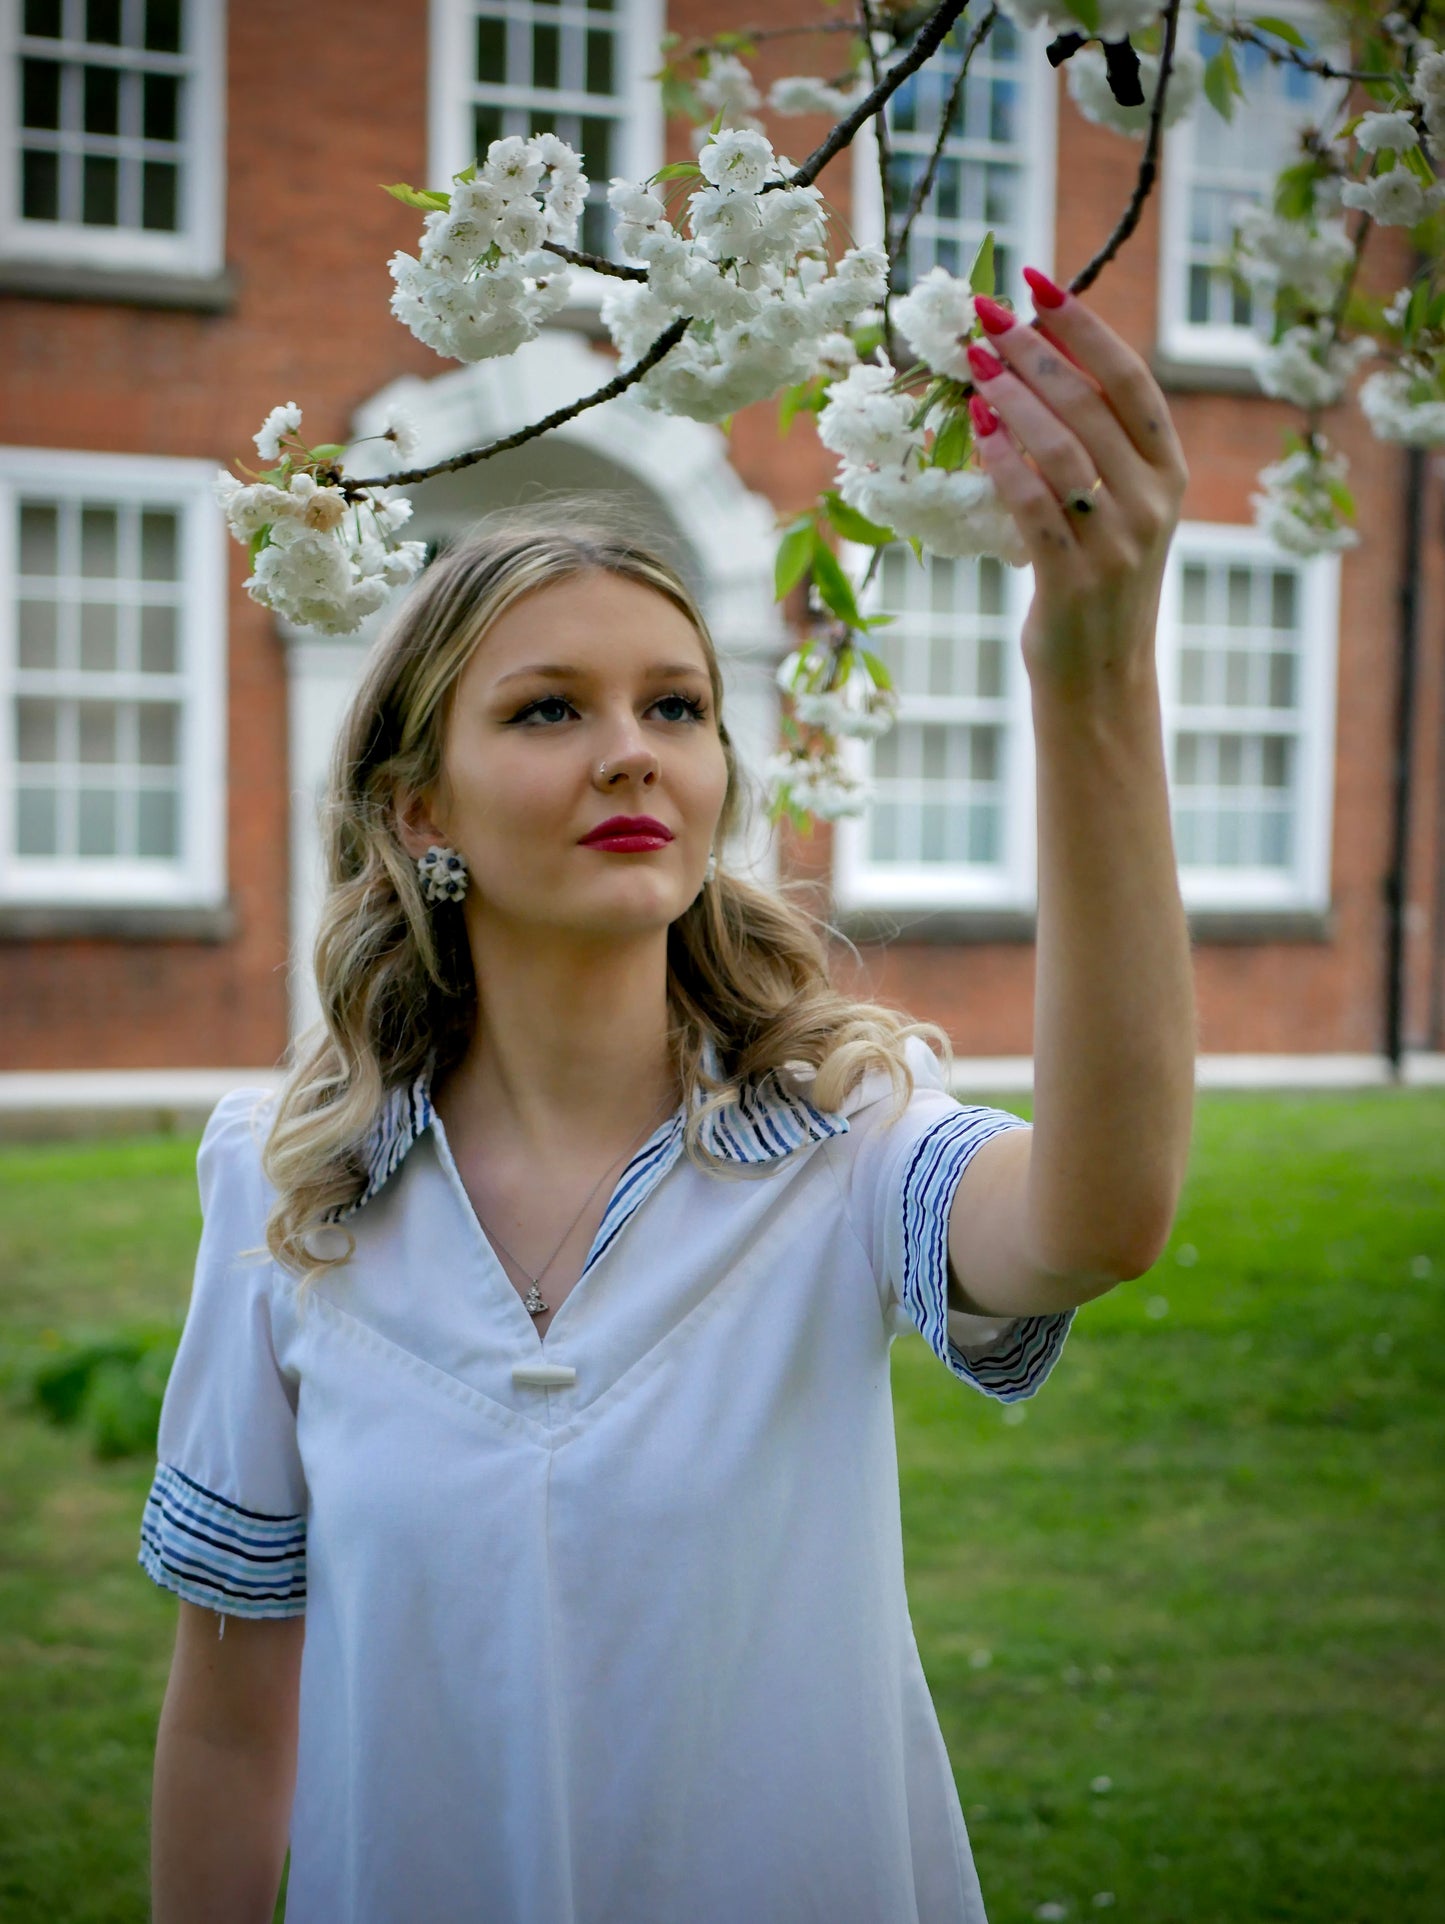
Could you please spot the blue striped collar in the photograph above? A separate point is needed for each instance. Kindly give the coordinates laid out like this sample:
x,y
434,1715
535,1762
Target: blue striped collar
x,y
765,1122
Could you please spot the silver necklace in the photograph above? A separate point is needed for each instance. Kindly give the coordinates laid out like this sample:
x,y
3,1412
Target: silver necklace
x,y
532,1301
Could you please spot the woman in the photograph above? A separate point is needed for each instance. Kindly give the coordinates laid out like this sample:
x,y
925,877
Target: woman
x,y
572,1447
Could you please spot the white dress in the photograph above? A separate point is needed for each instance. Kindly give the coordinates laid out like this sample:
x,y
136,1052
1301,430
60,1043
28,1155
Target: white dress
x,y
627,1646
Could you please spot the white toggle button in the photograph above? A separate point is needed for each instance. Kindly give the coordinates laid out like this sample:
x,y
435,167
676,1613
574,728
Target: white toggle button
x,y
543,1376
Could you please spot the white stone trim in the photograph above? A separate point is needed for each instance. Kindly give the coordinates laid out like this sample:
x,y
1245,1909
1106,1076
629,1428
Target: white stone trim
x,y
198,878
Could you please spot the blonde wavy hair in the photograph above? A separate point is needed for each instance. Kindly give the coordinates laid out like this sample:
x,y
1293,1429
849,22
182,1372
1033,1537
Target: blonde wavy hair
x,y
747,966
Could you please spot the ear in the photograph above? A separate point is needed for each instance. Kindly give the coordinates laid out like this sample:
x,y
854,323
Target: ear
x,y
415,825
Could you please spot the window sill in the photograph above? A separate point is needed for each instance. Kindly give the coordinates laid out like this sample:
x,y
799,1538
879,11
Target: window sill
x,y
1177,376
52,921
960,927
72,281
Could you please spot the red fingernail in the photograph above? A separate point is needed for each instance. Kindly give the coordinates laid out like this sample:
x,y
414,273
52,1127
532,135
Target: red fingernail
x,y
996,319
1046,293
985,366
984,418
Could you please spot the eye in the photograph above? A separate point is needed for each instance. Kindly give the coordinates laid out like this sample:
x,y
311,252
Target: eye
x,y
694,709
536,707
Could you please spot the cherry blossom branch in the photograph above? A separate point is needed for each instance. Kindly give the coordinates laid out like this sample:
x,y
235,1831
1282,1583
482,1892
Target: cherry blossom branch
x,y
599,263
1148,166
930,37
924,182
664,344
1283,55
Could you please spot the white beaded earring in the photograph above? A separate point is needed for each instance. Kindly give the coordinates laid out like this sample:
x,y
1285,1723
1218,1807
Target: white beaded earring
x,y
709,874
444,874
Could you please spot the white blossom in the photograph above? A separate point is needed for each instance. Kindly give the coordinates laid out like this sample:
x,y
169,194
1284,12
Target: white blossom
x,y
863,422
727,87
1295,509
952,511
1306,367
936,317
736,158
806,94
822,786
1391,133
1394,415
278,423
400,438
1427,84
1117,18
1309,259
1089,88
1395,199
855,706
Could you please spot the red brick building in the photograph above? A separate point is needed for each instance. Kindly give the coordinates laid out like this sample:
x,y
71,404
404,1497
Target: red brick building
x,y
192,230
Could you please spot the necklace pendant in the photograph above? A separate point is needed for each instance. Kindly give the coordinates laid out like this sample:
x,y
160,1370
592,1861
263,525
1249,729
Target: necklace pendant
x,y
532,1301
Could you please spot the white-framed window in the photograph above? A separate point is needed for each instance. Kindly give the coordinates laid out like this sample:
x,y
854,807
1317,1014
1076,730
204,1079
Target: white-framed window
x,y
1248,640
996,169
112,680
1214,169
951,822
113,154
576,68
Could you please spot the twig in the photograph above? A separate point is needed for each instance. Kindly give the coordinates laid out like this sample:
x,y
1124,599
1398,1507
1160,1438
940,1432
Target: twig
x,y
1148,166
925,180
597,262
665,342
1287,56
930,37
704,44
885,170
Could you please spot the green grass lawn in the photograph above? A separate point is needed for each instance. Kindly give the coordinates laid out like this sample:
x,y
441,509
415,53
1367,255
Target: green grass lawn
x,y
1181,1613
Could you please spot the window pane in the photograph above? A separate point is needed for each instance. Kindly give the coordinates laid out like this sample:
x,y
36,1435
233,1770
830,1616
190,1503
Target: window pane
x,y
1283,599
39,186
158,641
487,127
157,822
102,22
97,731
161,109
42,18
1281,681
38,730
159,725
158,196
157,545
39,540
491,50
1236,678
545,56
1240,584
1191,674
99,820
100,183
102,100
98,637
990,586
163,26
36,815
990,667
599,63
1193,600
38,647
40,93
98,545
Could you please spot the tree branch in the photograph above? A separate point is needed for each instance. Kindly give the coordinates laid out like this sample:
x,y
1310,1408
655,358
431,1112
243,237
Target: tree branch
x,y
924,182
664,344
597,262
885,170
1148,166
1287,56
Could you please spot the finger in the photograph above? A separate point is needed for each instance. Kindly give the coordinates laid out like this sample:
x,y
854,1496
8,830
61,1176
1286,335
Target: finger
x,y
1069,388
1055,451
1131,389
1022,489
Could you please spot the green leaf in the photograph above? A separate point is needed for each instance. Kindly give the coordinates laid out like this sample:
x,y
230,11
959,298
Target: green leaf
x,y
833,585
879,621
852,525
1281,29
1294,191
981,274
1342,498
467,175
259,540
917,547
677,170
952,443
1415,159
794,553
877,669
415,197
1221,82
1086,12
328,451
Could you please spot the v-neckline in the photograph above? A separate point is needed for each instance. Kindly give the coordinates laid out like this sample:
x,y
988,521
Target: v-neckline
x,y
645,1169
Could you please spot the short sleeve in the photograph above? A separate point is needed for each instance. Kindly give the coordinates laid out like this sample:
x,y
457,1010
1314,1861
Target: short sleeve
x,y
901,1176
225,1521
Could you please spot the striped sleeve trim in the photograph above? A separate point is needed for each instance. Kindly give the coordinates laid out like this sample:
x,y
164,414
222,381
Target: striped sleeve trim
x,y
1015,1365
213,1552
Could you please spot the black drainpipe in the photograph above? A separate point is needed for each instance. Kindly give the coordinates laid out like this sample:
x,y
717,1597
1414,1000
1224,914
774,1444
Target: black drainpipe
x,y
1396,879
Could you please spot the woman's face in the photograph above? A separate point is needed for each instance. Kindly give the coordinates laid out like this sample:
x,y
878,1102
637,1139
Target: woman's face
x,y
587,700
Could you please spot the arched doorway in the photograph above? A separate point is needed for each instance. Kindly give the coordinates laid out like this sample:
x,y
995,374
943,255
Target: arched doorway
x,y
672,475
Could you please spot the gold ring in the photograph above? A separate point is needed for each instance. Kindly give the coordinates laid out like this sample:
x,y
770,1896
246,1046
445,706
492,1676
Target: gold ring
x,y
1081,500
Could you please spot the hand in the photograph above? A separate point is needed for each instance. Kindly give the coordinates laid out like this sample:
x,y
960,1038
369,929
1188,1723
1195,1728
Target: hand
x,y
1084,418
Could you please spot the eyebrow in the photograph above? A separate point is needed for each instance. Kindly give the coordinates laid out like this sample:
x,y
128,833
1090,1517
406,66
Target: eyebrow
x,y
564,671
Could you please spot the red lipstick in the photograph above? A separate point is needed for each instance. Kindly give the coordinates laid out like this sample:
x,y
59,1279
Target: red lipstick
x,y
628,835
